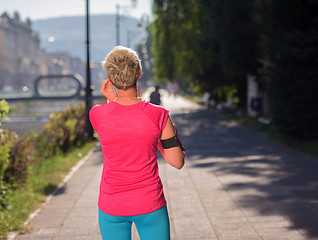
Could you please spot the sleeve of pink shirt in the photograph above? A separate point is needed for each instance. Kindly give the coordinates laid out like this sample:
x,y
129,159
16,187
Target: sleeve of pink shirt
x,y
163,119
93,116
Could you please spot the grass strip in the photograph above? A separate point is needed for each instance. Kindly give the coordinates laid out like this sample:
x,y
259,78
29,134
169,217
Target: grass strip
x,y
43,178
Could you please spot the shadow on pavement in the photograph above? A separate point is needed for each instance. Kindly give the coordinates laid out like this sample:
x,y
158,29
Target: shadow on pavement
x,y
276,179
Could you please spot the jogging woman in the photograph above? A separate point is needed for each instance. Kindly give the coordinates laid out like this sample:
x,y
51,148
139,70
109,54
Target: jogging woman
x,y
131,131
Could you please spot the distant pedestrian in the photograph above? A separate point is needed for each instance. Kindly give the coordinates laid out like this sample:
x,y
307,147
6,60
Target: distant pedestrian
x,y
175,88
155,96
131,131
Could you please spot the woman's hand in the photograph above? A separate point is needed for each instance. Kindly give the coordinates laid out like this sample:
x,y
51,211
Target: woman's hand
x,y
107,90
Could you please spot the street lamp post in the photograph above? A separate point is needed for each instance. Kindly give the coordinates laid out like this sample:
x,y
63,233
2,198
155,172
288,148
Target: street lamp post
x,y
88,90
131,34
117,25
118,20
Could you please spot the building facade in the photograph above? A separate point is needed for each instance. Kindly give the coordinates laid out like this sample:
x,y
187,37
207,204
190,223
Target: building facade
x,y
19,52
22,60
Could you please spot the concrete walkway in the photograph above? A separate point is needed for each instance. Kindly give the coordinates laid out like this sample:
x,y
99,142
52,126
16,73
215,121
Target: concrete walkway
x,y
236,184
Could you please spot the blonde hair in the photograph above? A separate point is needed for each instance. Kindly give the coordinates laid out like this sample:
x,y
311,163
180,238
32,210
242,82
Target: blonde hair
x,y
122,66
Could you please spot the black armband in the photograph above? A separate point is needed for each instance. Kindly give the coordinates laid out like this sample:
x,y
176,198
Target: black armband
x,y
171,142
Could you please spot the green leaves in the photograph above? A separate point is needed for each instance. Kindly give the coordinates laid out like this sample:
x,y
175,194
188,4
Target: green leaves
x,y
175,32
212,44
289,44
20,154
4,109
208,43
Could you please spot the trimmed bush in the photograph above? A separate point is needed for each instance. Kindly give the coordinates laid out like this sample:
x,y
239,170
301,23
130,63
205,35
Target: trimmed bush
x,y
64,131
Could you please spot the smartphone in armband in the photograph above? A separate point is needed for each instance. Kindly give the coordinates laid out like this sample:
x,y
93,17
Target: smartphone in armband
x,y
172,142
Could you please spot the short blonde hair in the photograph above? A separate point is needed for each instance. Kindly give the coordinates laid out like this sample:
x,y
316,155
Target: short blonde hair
x,y
122,66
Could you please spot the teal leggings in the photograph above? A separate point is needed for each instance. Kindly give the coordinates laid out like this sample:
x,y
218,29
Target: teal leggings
x,y
151,226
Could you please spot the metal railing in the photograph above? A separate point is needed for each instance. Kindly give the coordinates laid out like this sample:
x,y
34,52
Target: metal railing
x,y
75,81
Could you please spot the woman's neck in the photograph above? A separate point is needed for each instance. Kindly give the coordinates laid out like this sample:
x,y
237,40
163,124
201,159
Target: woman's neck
x,y
127,97
129,93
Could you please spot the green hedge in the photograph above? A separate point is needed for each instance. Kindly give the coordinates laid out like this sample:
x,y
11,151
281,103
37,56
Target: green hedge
x,y
18,154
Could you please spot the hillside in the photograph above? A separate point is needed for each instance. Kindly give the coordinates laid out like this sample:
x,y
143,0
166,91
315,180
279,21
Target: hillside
x,y
70,34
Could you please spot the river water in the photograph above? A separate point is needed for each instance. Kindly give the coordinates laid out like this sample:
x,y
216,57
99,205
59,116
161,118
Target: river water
x,y
32,115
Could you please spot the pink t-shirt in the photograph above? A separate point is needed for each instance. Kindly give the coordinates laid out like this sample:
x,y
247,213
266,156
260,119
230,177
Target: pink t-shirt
x,y
129,136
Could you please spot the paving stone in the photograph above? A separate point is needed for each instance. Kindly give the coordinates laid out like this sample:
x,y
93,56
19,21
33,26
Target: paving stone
x,y
236,231
280,233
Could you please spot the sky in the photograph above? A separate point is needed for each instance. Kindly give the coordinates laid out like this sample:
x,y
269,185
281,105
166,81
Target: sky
x,y
42,9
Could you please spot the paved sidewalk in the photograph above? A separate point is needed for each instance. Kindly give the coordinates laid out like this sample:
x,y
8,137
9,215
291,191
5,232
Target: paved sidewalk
x,y
236,184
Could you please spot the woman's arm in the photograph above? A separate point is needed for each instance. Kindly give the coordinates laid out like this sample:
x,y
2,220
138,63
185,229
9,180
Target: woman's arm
x,y
174,155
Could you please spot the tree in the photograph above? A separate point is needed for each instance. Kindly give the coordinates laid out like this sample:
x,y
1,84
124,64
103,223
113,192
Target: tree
x,y
289,41
175,31
210,43
233,34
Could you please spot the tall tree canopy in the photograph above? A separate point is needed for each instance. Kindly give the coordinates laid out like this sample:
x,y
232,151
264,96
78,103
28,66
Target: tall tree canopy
x,y
289,63
175,31
209,43
216,43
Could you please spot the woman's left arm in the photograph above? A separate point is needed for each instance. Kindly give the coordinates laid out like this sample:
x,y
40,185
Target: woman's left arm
x,y
173,155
